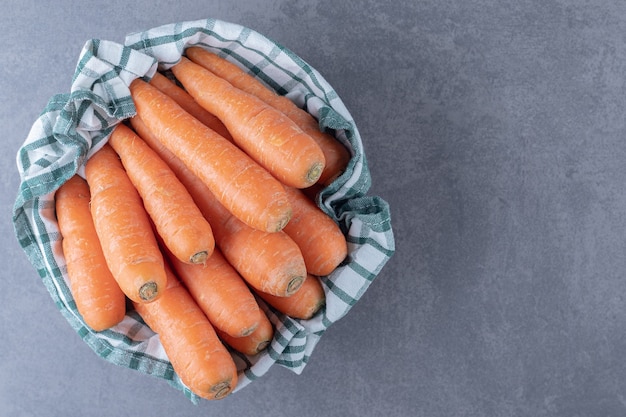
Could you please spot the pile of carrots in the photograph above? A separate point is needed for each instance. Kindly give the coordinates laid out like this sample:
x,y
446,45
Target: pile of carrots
x,y
197,208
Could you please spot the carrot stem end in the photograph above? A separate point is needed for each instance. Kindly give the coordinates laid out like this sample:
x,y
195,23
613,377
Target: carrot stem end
x,y
148,291
314,173
199,258
261,346
221,390
294,285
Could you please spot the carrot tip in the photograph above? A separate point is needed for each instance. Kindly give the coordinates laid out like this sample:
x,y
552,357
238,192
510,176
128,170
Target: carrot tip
x,y
148,291
261,346
314,311
221,390
294,285
314,173
278,225
199,258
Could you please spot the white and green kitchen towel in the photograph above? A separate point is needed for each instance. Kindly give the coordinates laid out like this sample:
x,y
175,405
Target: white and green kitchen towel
x,y
77,123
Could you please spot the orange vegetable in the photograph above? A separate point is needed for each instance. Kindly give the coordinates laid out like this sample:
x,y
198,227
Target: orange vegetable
x,y
264,133
303,304
124,229
268,261
176,217
221,293
197,355
180,96
240,184
253,343
335,154
99,299
320,239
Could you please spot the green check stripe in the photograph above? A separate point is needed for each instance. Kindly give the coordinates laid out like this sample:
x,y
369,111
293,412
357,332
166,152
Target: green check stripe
x,y
282,339
340,293
363,272
366,240
292,350
289,363
249,373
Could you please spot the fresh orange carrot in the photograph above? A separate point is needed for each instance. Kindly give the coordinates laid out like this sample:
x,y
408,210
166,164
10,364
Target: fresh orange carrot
x,y
253,343
180,96
124,229
240,184
335,154
221,293
320,239
99,299
268,261
303,304
197,355
176,217
264,133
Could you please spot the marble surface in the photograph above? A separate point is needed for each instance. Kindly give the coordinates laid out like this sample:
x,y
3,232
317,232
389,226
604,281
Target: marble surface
x,y
495,130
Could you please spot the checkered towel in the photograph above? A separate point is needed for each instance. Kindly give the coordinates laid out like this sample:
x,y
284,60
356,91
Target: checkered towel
x,y
76,124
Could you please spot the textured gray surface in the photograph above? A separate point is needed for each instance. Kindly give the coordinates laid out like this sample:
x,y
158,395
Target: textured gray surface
x,y
495,131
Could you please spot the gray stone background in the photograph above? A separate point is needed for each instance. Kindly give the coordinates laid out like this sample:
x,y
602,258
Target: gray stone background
x,y
495,130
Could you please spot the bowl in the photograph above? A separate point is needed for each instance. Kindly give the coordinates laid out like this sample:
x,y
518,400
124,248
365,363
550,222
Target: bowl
x,y
75,124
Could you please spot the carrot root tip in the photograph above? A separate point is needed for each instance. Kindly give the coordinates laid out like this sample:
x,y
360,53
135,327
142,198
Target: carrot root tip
x,y
279,224
314,173
221,390
261,346
315,309
199,258
294,285
148,291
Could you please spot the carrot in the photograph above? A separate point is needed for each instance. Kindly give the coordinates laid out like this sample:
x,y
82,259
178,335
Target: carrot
x,y
268,261
197,355
335,154
124,229
180,96
303,304
253,343
264,133
320,239
176,217
99,299
221,293
241,185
